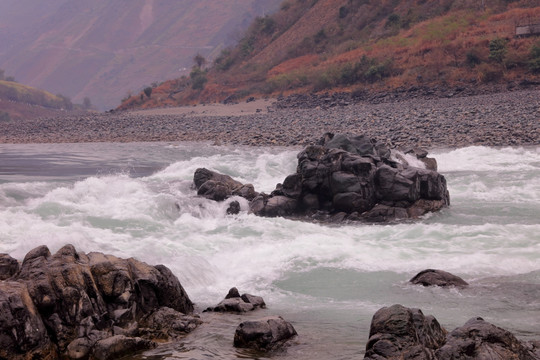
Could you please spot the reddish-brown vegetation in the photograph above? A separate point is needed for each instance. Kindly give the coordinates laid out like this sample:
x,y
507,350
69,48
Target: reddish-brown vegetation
x,y
344,45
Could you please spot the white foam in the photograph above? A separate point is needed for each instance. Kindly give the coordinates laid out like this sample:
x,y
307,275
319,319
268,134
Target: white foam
x,y
481,158
159,219
407,159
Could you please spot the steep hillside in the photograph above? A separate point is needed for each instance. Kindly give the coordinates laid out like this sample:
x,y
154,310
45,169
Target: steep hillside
x,y
367,45
19,101
102,49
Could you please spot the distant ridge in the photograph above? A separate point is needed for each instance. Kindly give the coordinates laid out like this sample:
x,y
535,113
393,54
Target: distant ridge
x,y
103,49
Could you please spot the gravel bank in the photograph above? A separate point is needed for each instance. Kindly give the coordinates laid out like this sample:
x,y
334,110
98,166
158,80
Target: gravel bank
x,y
503,119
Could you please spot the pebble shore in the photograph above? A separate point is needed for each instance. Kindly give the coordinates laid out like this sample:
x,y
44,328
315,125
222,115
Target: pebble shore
x,y
501,119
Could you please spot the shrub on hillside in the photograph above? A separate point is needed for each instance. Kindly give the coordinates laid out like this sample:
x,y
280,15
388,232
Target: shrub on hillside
x,y
199,60
198,78
498,50
224,61
148,91
488,73
472,57
534,62
343,12
379,71
265,25
393,20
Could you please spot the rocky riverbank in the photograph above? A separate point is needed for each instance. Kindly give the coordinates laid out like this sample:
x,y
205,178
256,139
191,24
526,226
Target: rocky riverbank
x,y
503,119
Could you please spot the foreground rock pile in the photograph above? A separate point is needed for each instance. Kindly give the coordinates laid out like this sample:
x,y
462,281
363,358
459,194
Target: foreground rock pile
x,y
78,306
342,178
398,333
72,305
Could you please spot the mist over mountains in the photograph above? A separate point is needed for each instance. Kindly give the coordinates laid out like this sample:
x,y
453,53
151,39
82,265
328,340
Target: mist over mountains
x,y
103,49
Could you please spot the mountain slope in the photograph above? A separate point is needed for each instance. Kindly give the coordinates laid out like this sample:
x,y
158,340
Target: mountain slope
x,y
369,45
101,49
18,101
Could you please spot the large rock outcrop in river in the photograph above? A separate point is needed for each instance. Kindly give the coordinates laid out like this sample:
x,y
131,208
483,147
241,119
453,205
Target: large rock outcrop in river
x,y
399,333
344,178
79,306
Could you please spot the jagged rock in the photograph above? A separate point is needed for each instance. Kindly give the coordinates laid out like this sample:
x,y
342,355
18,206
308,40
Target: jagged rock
x,y
22,332
399,333
478,339
8,266
264,334
431,277
233,293
82,299
351,175
233,302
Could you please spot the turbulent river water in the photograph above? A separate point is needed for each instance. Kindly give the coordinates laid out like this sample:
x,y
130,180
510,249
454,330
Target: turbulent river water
x,y
137,200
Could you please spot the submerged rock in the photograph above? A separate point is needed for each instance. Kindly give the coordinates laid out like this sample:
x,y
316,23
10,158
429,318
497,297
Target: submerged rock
x,y
352,176
63,305
264,334
234,208
234,302
215,186
431,277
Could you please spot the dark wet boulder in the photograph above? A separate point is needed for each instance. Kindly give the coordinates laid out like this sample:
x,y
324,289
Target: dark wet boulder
x,y
392,185
214,190
218,187
272,206
203,175
71,301
247,191
431,277
236,303
355,176
8,266
234,208
264,334
478,339
342,174
399,333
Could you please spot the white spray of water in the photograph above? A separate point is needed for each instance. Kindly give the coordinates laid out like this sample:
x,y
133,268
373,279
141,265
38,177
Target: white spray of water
x,y
159,219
